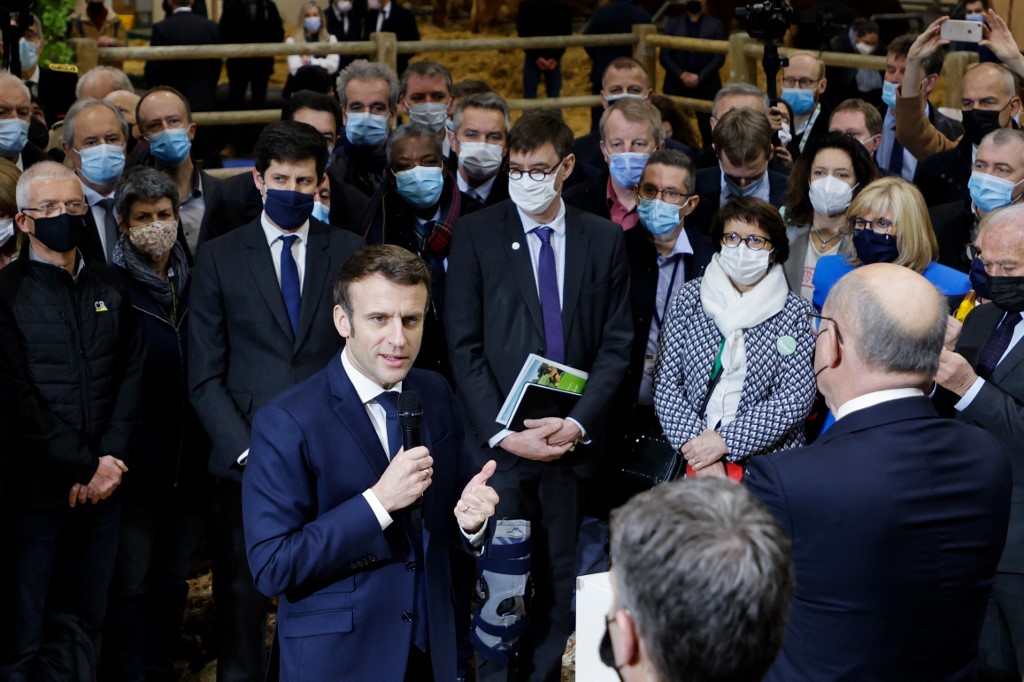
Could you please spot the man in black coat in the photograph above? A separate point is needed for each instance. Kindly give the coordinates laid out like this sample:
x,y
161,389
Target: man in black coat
x,y
618,16
543,18
479,145
386,16
16,104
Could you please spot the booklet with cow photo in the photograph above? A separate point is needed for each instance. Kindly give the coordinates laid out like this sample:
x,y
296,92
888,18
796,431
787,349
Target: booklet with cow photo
x,y
544,388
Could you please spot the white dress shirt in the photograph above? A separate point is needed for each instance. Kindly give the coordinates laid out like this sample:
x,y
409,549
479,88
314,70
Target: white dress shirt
x,y
480,192
99,215
274,235
867,400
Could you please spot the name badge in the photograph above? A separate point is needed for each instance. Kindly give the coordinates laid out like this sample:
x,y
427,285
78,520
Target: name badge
x,y
649,362
786,345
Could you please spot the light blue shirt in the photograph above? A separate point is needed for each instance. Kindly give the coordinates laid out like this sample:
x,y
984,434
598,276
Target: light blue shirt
x,y
889,137
671,277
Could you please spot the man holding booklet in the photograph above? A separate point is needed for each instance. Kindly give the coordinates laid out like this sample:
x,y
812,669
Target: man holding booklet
x,y
533,276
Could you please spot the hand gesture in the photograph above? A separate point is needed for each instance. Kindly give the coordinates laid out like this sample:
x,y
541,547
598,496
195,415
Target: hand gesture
x,y
927,43
533,442
478,501
690,80
953,328
955,373
409,474
103,483
704,450
999,39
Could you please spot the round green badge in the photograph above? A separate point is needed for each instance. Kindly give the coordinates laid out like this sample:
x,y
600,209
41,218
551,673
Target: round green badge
x,y
786,345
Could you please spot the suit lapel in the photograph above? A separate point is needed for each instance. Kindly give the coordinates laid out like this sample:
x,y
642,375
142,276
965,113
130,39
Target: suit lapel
x,y
577,250
352,413
318,262
517,250
977,330
258,258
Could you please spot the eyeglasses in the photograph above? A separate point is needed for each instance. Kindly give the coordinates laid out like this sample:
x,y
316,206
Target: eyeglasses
x,y
535,175
53,209
802,83
668,195
814,320
878,225
753,242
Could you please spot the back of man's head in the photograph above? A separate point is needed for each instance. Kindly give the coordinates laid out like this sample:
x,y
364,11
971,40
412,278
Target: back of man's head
x,y
743,135
707,577
892,318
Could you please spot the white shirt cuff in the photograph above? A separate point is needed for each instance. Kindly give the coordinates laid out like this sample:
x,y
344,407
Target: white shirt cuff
x,y
583,431
499,436
971,394
383,518
243,458
477,538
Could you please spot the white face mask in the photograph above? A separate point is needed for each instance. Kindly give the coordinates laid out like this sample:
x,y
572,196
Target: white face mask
x,y
864,48
785,135
345,6
533,196
6,230
480,160
744,266
373,4
830,196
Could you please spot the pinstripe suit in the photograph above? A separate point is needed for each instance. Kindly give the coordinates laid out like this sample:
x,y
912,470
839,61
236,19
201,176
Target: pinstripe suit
x,y
777,390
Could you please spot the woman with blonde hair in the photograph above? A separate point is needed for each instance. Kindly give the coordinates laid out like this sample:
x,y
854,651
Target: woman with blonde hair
x,y
10,237
890,224
312,28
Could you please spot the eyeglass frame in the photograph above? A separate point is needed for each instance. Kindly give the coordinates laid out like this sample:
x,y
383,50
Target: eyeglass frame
x,y
519,172
814,322
870,224
746,241
661,193
57,206
799,82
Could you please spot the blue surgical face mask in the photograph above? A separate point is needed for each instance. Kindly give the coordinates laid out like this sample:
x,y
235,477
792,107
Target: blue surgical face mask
x,y
420,186
103,163
627,167
311,24
979,278
171,146
889,93
659,217
431,114
364,129
989,192
27,53
800,101
13,136
749,190
875,248
288,209
321,212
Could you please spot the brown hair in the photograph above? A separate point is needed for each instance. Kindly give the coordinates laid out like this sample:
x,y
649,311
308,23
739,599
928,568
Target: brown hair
x,y
872,118
396,264
743,135
540,126
754,212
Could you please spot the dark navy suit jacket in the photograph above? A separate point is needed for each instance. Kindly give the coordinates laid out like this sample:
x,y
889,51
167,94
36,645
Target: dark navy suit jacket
x,y
897,519
346,586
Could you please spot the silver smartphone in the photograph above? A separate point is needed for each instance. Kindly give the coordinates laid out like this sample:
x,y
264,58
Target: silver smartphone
x,y
961,31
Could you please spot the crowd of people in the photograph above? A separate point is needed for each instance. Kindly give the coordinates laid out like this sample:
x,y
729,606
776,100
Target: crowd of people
x,y
304,363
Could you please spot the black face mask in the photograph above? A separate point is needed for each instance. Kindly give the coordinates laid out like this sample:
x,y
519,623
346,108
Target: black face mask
x,y
693,7
60,233
1007,293
978,123
875,248
38,134
606,652
979,278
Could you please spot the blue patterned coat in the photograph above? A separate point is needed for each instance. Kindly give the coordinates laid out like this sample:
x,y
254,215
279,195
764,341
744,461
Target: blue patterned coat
x,y
778,389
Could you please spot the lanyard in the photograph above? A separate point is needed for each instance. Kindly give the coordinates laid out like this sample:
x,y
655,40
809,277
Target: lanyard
x,y
658,318
810,125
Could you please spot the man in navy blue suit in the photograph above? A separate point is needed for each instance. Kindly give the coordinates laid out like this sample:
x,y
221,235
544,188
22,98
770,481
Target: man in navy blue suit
x,y
347,527
897,516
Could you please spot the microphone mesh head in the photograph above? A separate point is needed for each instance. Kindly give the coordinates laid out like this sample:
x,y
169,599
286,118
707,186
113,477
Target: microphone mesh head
x,y
410,405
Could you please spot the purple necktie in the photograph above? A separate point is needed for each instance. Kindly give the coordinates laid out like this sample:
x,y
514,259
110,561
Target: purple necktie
x,y
550,305
997,344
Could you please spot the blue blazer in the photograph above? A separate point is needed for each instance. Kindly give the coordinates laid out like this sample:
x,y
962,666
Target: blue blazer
x,y
951,283
346,586
897,519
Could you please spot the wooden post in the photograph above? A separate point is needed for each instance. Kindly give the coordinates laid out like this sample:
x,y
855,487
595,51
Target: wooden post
x,y
953,70
387,49
739,64
86,53
644,52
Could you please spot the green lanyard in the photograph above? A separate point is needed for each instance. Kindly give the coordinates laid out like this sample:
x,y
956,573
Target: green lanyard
x,y
716,370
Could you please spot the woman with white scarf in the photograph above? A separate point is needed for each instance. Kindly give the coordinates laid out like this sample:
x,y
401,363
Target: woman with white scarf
x,y
734,376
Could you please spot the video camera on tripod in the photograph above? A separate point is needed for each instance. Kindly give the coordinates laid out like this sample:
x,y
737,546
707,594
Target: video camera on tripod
x,y
769,21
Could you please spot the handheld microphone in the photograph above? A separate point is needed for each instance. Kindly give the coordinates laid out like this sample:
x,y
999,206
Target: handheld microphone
x,y
410,416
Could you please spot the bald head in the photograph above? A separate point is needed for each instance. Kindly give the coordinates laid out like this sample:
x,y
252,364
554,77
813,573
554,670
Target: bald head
x,y
805,61
995,75
1001,241
892,319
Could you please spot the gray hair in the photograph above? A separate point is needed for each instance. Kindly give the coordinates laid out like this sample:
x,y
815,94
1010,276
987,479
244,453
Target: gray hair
x,y
1004,136
745,89
37,172
364,70
674,159
143,183
10,80
120,79
410,129
636,111
1011,216
484,100
426,69
68,131
885,341
707,575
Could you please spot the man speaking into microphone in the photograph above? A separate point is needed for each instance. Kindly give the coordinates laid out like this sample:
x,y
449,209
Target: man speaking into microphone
x,y
347,526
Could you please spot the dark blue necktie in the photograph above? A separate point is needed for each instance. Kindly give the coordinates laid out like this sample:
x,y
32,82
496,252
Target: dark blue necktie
x,y
997,344
389,401
896,158
550,303
290,281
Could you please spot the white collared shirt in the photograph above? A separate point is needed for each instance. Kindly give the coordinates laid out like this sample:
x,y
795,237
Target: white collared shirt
x,y
274,234
533,242
867,400
99,215
480,192
382,15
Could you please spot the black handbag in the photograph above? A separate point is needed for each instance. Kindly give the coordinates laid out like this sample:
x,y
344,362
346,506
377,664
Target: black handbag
x,y
651,460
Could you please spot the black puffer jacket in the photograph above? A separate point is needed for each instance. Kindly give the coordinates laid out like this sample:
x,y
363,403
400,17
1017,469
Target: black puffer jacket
x,y
71,357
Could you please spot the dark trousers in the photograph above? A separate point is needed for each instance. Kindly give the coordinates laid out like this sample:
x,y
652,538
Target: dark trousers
x,y
55,561
241,608
158,544
245,74
532,75
547,494
1001,652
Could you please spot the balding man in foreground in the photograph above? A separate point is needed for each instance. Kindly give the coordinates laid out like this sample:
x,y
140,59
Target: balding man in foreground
x,y
986,377
897,516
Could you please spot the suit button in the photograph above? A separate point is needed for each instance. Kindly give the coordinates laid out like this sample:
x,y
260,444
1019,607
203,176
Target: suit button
x,y
408,616
410,565
370,559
